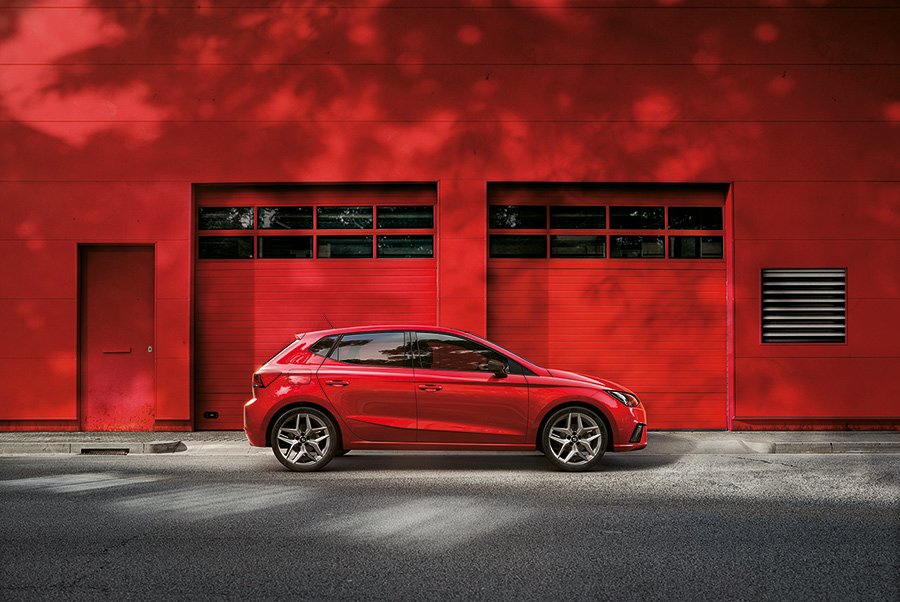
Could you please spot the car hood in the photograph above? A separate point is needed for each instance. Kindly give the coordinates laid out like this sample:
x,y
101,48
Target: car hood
x,y
593,380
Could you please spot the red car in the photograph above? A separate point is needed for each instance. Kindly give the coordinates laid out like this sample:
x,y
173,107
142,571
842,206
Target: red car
x,y
431,388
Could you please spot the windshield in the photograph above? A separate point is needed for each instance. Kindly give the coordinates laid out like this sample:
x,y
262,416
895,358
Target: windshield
x,y
506,351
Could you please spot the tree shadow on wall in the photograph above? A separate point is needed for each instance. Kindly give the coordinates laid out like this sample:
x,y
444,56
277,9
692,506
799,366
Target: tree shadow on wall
x,y
523,90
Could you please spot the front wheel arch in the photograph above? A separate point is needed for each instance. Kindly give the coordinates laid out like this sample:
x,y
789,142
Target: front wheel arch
x,y
573,404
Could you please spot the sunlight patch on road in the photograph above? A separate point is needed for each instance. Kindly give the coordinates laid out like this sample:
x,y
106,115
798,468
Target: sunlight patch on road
x,y
425,523
208,501
76,483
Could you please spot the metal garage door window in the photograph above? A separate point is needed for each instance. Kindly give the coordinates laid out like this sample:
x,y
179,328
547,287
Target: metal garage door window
x,y
623,282
273,261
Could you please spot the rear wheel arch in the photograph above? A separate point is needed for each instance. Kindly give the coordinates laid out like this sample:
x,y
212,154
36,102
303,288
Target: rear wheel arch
x,y
572,404
303,404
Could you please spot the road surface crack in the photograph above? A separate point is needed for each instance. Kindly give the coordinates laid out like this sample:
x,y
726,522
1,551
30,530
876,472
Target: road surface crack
x,y
769,462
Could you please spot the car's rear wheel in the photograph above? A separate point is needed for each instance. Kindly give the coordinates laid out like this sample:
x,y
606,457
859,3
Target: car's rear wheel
x,y
304,439
574,439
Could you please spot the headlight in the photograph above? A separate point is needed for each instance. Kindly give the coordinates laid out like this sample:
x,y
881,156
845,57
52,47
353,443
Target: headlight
x,y
624,398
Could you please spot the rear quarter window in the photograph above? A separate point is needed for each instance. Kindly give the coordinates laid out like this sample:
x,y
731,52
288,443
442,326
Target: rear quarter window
x,y
313,354
323,346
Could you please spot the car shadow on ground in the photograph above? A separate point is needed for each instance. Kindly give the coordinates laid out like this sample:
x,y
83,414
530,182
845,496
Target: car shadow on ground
x,y
490,461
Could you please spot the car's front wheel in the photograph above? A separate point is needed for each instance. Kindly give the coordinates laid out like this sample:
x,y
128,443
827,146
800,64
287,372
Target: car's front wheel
x,y
304,439
574,439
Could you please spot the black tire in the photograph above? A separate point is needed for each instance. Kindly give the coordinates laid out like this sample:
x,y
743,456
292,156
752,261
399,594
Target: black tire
x,y
573,444
298,436
341,452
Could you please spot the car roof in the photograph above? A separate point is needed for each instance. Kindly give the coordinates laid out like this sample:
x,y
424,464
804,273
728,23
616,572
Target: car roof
x,y
380,327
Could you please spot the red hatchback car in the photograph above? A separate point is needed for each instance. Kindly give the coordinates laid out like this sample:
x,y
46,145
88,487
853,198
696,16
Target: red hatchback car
x,y
430,388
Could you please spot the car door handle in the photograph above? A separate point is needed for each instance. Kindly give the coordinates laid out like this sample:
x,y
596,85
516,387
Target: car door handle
x,y
430,387
337,383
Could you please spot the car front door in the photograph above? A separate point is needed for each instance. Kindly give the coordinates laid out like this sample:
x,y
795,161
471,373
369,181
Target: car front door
x,y
369,379
459,401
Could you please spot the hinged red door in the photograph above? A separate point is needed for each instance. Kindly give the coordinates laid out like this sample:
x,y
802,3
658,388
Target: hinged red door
x,y
117,366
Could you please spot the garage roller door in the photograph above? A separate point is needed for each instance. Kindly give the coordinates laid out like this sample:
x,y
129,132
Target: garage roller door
x,y
623,283
275,261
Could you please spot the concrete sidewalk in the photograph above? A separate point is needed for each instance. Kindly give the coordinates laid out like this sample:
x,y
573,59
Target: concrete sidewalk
x,y
660,442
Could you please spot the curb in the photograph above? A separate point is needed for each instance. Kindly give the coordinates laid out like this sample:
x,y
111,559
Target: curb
x,y
90,448
837,447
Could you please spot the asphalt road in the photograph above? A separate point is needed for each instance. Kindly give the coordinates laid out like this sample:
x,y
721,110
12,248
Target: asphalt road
x,y
462,526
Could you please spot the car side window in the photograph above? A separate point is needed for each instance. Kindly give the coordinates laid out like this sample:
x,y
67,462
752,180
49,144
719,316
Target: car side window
x,y
386,349
322,346
438,351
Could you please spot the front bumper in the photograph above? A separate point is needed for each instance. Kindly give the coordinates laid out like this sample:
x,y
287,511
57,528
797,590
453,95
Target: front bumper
x,y
632,433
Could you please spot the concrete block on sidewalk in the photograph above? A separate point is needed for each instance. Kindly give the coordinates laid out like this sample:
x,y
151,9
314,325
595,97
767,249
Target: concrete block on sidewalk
x,y
164,447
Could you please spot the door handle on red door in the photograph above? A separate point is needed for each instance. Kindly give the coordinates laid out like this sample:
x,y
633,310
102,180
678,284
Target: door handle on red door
x,y
337,383
430,387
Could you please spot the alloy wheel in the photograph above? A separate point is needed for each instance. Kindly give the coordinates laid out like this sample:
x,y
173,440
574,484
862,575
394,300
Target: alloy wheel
x,y
304,440
575,439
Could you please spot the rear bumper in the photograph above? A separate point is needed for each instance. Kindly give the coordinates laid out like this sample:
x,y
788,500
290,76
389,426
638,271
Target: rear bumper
x,y
255,423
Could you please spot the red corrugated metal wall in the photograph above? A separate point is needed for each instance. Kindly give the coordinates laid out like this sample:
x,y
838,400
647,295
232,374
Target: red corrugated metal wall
x,y
111,113
851,225
657,326
248,309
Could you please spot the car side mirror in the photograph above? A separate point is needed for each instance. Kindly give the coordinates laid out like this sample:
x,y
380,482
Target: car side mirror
x,y
500,369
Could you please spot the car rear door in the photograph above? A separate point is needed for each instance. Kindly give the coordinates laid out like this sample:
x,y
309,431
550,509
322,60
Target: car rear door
x,y
459,401
369,378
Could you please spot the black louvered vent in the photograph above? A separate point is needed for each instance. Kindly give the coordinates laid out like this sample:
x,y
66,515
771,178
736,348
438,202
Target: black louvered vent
x,y
804,306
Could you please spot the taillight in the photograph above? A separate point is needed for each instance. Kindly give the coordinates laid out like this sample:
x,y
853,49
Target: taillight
x,y
261,380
